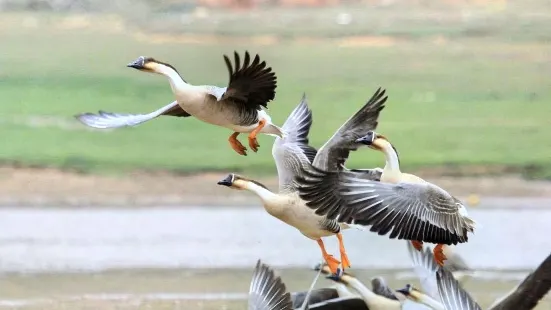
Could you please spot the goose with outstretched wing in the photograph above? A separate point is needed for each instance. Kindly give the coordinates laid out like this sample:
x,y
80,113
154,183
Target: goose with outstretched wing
x,y
401,205
292,155
240,106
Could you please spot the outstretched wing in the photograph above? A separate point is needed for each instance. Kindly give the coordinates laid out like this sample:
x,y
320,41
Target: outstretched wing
x,y
104,120
251,85
409,211
292,152
267,291
453,296
529,292
332,155
425,268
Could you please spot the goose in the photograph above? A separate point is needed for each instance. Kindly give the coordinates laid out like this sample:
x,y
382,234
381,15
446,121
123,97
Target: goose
x,y
393,301
238,107
410,207
525,296
291,154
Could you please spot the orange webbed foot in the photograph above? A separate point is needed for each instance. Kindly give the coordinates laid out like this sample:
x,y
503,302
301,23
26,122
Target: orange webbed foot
x,y
438,253
418,245
344,257
236,145
253,142
332,263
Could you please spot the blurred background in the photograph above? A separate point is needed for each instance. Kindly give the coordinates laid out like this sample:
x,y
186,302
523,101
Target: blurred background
x,y
133,219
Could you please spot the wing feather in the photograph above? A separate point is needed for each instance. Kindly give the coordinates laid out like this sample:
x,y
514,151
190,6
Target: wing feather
x,y
267,291
453,296
104,120
332,155
251,84
292,152
406,208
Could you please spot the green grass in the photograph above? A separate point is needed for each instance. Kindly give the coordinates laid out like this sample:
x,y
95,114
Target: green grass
x,y
469,101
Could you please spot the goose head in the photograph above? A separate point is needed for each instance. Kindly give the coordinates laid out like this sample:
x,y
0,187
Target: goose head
x,y
149,64
373,140
238,182
410,292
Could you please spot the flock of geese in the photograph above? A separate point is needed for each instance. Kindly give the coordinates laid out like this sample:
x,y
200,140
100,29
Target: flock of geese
x,y
320,196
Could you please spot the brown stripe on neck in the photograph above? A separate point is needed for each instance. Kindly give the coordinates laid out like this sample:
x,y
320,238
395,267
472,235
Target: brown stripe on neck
x,y
171,67
258,183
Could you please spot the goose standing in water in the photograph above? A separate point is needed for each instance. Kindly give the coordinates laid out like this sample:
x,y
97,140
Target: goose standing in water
x,y
524,297
238,107
401,204
292,154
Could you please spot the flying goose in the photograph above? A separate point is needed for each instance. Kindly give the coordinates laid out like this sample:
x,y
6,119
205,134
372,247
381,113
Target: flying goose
x,y
238,107
525,296
291,154
401,204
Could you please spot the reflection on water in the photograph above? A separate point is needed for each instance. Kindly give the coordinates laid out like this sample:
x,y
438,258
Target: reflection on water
x,y
35,240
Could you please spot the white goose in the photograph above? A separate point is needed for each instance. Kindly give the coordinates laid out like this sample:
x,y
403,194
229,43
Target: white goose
x,y
238,107
292,154
401,204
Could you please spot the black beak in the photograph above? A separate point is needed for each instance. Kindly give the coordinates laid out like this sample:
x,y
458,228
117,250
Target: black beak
x,y
367,139
337,277
227,181
138,63
404,290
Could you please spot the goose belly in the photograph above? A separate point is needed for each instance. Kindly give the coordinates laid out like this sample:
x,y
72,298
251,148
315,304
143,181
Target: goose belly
x,y
300,217
216,114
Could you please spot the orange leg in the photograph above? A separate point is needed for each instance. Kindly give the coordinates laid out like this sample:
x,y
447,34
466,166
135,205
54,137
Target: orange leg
x,y
332,262
344,257
236,145
439,256
418,245
253,143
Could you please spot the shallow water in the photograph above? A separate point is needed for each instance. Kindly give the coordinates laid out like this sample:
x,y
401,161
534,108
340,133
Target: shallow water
x,y
61,240
171,258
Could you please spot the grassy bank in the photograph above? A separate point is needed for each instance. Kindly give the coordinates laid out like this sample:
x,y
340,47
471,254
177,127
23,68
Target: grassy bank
x,y
462,101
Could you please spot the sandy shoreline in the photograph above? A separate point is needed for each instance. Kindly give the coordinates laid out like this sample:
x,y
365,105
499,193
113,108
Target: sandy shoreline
x,y
51,187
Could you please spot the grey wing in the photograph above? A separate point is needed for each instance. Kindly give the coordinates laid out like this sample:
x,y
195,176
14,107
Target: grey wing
x,y
104,120
267,291
332,155
529,292
379,287
292,152
425,267
410,211
453,296
341,303
368,174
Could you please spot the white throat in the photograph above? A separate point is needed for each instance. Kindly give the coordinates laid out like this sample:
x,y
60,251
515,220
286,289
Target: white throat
x,y
264,194
373,300
392,164
176,82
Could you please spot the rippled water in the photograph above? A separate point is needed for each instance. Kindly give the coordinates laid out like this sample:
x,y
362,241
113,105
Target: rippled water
x,y
38,240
